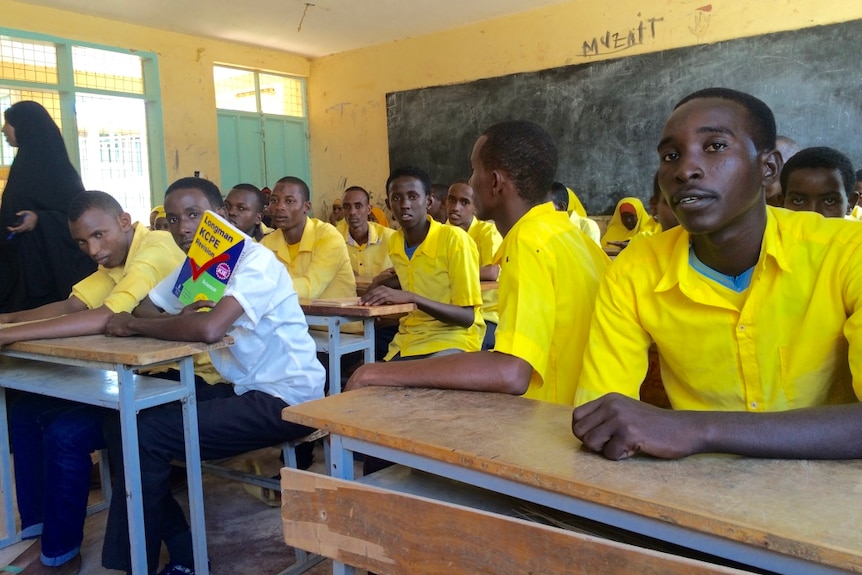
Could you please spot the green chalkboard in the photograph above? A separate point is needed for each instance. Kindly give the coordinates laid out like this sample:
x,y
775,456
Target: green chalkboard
x,y
606,116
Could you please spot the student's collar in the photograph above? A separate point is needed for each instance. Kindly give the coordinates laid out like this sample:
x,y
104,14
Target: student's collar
x,y
137,239
306,242
428,246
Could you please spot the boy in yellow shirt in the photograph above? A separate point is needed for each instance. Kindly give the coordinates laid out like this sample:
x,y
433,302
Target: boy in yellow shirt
x,y
313,251
756,311
244,206
367,241
437,269
549,276
462,213
53,438
818,180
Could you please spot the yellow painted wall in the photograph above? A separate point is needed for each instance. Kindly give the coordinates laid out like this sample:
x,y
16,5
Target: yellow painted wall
x,y
347,91
185,74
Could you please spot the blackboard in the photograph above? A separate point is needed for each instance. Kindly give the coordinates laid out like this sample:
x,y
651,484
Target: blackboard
x,y
606,116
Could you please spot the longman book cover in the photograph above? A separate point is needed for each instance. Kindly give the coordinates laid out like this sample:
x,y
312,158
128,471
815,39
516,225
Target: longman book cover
x,y
214,254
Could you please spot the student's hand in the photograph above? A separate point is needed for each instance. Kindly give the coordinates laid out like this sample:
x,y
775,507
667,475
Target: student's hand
x,y
383,295
118,325
387,277
620,427
5,318
620,244
362,377
27,221
197,306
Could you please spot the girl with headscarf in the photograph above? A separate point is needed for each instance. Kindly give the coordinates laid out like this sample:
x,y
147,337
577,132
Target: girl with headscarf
x,y
39,261
628,220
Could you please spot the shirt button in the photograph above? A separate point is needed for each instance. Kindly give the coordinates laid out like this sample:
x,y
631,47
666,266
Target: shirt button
x,y
753,405
742,328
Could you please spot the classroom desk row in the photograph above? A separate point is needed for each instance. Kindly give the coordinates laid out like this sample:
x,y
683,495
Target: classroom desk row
x,y
789,517
100,370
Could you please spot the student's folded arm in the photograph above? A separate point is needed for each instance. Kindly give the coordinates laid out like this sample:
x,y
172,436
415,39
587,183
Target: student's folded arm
x,y
462,316
148,309
207,327
54,309
489,273
85,322
620,427
476,371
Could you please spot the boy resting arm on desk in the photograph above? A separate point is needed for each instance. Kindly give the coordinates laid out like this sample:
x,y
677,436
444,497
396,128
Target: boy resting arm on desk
x,y
755,311
272,364
548,280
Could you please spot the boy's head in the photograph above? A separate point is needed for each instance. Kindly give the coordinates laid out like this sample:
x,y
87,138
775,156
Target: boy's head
x,y
559,196
519,151
289,203
437,205
356,204
460,206
408,190
101,228
244,206
818,180
716,154
186,200
337,209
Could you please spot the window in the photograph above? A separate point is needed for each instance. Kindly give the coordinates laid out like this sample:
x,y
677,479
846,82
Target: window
x,y
252,91
105,102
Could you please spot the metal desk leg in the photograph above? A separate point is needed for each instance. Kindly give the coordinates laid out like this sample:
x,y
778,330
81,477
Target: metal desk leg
x,y
132,469
12,535
341,467
333,327
368,334
193,467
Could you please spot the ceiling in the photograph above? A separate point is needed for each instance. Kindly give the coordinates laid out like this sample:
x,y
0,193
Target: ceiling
x,y
309,27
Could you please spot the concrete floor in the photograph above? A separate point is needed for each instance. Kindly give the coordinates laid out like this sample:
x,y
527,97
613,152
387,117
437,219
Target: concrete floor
x,y
244,535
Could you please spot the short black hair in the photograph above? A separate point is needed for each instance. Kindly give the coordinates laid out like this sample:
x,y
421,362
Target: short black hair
x,y
410,172
304,191
209,189
560,195
526,153
361,189
93,199
762,118
820,157
440,191
255,191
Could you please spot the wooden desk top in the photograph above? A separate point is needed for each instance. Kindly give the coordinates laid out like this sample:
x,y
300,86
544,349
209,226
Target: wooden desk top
x,y
136,351
362,283
806,509
321,307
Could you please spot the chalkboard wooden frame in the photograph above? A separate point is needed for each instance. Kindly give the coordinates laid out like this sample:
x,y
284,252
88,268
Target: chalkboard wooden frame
x,y
606,116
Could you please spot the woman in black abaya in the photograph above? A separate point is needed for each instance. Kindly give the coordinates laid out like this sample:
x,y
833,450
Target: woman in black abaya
x,y
39,261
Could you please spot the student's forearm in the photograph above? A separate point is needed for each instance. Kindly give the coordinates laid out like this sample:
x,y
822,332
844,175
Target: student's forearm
x,y
489,273
54,309
187,327
147,309
87,322
445,312
476,371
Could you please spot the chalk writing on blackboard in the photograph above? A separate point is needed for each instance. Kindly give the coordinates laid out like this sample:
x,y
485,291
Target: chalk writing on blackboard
x,y
611,42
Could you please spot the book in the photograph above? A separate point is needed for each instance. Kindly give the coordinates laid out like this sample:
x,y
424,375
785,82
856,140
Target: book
x,y
212,258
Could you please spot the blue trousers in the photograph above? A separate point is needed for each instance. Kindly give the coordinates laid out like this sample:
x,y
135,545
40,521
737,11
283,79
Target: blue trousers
x,y
52,440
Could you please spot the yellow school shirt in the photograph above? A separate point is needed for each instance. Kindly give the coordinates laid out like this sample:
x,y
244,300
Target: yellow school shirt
x,y
549,277
152,256
371,258
445,268
488,241
782,350
321,267
587,225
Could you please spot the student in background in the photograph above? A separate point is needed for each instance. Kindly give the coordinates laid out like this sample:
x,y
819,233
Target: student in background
x,y
787,147
53,438
367,241
244,206
377,216
818,180
336,216
437,205
549,277
158,221
562,197
855,208
266,220
627,221
313,251
271,364
755,311
462,213
437,269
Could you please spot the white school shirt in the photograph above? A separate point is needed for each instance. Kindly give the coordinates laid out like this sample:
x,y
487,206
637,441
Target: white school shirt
x,y
272,350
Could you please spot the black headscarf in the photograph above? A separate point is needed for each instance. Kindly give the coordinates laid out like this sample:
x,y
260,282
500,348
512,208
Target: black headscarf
x,y
42,265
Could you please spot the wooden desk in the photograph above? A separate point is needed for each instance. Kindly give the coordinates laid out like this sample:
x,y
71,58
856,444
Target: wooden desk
x,y
99,370
362,283
337,344
793,517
